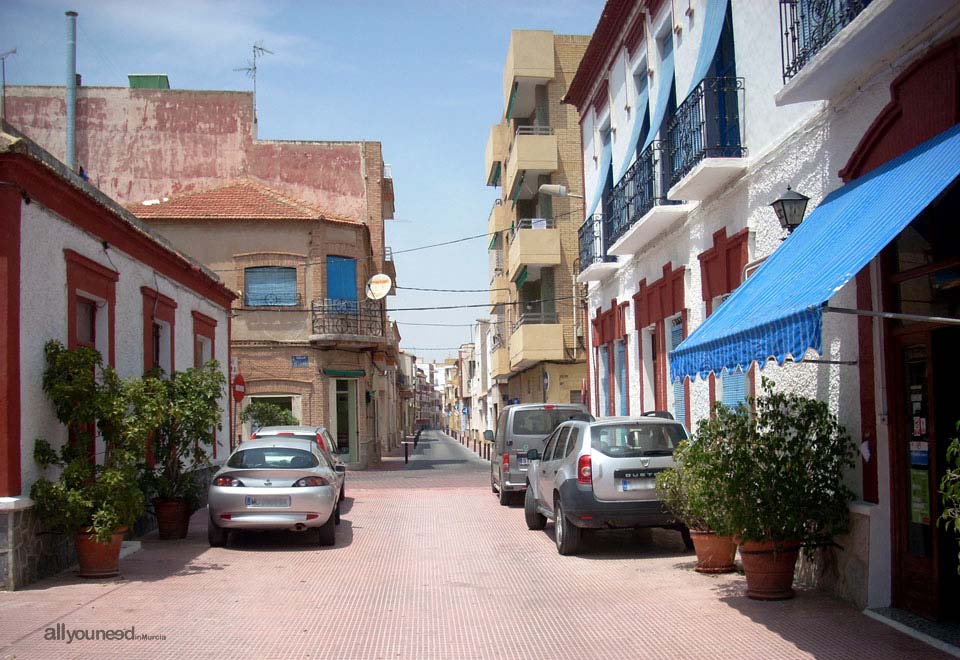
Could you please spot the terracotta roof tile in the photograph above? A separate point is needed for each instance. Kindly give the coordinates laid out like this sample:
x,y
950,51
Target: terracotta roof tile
x,y
238,200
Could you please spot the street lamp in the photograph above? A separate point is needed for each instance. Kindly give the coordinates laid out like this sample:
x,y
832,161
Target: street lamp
x,y
556,190
790,208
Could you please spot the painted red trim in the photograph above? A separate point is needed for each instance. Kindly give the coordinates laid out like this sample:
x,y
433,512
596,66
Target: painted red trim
x,y
721,266
77,207
158,307
88,276
10,432
603,43
625,336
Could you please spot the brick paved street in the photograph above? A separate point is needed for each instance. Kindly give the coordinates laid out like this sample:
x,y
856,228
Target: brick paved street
x,y
428,565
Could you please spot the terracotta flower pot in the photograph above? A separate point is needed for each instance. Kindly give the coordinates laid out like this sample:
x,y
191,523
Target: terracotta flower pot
x,y
98,560
173,518
714,553
769,567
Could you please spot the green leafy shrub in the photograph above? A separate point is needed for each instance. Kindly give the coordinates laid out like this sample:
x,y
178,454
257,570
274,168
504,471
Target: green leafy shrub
x,y
950,489
264,413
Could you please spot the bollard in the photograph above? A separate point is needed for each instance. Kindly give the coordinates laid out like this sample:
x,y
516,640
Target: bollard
x,y
406,458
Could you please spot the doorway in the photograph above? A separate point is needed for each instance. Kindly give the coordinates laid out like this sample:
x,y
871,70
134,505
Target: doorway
x,y
343,414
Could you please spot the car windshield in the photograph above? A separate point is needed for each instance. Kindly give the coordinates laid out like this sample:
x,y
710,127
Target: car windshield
x,y
280,458
631,440
543,422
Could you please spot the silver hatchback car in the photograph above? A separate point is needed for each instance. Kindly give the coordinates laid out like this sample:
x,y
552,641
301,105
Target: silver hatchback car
x,y
319,433
275,484
602,474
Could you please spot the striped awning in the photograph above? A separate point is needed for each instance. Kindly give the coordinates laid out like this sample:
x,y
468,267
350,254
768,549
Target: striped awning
x,y
778,312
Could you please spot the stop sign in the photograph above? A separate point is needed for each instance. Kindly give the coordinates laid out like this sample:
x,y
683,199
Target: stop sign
x,y
239,388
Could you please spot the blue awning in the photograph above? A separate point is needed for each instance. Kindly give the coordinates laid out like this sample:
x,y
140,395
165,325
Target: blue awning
x,y
778,311
713,19
641,110
664,83
603,171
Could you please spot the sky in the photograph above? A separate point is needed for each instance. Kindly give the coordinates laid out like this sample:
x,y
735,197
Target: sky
x,y
422,77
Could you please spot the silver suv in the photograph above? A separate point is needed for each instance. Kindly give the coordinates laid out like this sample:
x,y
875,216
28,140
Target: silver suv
x,y
601,474
520,428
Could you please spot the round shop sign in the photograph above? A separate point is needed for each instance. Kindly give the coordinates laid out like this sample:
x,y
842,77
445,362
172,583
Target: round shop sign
x,y
239,388
379,286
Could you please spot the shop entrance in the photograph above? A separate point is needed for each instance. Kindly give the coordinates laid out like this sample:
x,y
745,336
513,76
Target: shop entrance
x,y
343,414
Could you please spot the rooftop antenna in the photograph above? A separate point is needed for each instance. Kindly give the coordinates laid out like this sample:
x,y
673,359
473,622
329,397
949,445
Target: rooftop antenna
x,y
3,80
251,71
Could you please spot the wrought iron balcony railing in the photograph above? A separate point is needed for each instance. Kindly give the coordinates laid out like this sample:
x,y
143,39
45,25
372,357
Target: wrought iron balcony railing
x,y
706,125
348,317
283,299
593,247
642,187
535,318
806,26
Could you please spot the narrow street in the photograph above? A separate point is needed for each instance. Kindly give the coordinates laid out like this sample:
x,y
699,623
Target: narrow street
x,y
427,564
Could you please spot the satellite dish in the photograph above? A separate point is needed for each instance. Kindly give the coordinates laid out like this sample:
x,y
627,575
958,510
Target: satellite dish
x,y
379,286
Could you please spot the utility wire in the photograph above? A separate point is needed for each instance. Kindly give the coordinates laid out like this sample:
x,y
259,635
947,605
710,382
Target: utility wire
x,y
414,288
565,300
438,325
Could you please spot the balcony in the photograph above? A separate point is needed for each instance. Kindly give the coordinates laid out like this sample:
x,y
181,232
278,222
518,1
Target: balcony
x,y
828,44
496,152
499,362
595,263
530,62
704,145
535,242
499,291
532,153
640,208
348,323
537,336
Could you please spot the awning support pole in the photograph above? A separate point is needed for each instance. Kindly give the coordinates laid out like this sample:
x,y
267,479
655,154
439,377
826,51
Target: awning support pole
x,y
892,315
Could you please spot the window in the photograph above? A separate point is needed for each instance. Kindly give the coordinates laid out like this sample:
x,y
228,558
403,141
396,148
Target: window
x,y
732,388
542,422
620,347
648,352
341,279
635,440
159,321
572,441
86,320
677,389
603,384
273,458
204,338
270,286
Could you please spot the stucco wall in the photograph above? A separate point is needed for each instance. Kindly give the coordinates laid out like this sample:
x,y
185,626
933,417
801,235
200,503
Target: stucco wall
x,y
43,316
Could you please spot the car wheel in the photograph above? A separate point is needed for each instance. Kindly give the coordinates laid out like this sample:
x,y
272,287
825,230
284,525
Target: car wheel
x,y
327,533
505,495
567,535
535,519
493,484
216,536
685,534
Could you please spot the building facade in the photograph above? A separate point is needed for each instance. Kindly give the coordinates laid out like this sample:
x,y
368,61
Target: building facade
x,y
695,117
154,148
537,341
79,269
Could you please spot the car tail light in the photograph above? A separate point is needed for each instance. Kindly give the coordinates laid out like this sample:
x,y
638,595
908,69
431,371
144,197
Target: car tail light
x,y
227,481
253,436
320,442
226,516
286,433
584,470
311,481
506,460
549,406
313,516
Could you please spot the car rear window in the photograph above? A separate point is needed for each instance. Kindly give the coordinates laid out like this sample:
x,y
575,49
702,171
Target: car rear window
x,y
631,440
543,422
280,458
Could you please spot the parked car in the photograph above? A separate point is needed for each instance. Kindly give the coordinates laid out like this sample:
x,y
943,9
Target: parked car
x,y
601,474
275,484
520,428
318,433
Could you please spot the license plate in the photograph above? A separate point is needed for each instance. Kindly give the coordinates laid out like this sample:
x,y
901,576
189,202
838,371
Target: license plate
x,y
521,460
271,501
637,484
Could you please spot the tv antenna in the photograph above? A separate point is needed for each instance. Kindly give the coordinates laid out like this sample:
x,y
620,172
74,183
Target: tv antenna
x,y
3,80
251,71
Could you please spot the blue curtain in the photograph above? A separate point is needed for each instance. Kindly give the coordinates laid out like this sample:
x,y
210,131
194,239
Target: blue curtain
x,y
270,285
712,27
639,113
622,376
341,278
664,82
734,387
603,171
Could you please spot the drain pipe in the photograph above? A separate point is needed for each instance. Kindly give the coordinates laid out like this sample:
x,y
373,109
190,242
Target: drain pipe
x,y
71,89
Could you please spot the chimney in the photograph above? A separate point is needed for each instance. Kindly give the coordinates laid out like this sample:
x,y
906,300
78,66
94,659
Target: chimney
x,y
71,89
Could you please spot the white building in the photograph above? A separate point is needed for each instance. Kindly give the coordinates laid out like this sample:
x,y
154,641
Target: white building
x,y
78,268
697,115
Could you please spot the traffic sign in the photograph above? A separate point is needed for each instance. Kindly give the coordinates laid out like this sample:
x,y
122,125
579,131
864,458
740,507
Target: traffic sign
x,y
239,388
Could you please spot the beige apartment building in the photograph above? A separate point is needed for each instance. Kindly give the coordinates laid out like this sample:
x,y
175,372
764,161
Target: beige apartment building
x,y
536,338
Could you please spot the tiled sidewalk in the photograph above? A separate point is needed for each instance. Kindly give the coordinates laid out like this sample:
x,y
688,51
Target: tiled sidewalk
x,y
428,565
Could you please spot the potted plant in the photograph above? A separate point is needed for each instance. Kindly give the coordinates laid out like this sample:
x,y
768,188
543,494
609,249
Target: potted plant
x,y
94,500
182,413
950,489
687,492
263,413
784,466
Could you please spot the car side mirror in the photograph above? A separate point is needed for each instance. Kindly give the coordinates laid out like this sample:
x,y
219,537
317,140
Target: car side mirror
x,y
488,435
533,455
340,468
